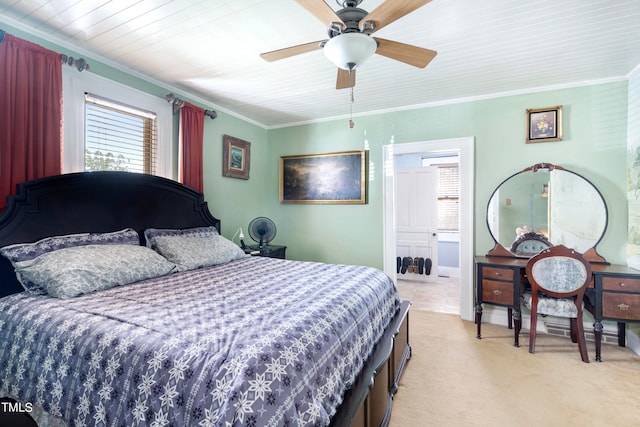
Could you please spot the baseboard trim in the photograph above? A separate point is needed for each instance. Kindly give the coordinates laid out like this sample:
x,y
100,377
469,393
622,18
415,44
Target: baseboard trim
x,y
448,271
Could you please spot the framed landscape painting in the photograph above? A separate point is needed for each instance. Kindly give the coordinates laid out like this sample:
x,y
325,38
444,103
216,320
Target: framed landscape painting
x,y
331,178
236,157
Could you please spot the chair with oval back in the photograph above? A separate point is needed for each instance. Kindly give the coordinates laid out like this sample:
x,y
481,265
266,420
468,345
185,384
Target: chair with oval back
x,y
530,244
558,277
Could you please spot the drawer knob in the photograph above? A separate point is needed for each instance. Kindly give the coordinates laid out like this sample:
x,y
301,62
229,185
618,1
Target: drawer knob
x,y
623,307
498,273
497,292
622,285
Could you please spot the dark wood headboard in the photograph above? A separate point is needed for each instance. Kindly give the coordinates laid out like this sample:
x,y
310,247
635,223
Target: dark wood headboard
x,y
95,202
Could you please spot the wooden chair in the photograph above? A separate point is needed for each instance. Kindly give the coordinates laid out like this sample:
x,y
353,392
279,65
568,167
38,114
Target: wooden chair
x,y
530,244
558,278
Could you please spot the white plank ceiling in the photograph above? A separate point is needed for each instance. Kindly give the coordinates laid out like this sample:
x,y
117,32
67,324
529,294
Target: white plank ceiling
x,y
210,50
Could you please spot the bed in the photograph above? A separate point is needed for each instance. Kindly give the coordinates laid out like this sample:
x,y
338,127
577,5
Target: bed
x,y
153,335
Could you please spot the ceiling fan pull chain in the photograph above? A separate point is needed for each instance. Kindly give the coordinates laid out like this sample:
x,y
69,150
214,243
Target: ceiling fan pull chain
x,y
351,124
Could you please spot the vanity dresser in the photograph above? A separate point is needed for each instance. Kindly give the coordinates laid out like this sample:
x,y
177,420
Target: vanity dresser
x,y
538,207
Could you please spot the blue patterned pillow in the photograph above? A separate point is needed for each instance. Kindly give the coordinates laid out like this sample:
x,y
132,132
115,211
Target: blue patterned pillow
x,y
151,234
28,251
190,252
78,270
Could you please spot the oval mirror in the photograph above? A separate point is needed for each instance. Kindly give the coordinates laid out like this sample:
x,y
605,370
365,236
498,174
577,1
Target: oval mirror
x,y
546,205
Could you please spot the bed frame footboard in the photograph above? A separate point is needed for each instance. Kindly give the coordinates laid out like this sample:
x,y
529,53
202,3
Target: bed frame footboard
x,y
368,403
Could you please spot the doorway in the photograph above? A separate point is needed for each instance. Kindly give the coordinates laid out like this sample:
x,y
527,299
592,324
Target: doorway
x,y
464,148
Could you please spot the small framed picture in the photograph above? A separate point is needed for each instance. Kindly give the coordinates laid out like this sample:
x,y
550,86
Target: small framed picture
x,y
544,124
236,157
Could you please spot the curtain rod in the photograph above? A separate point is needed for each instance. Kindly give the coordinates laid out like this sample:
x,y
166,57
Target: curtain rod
x,y
80,64
179,103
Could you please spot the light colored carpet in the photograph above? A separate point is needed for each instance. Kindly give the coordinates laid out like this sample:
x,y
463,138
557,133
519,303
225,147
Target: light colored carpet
x,y
454,379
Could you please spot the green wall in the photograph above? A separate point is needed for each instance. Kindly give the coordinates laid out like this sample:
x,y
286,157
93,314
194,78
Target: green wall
x,y
235,201
594,145
330,233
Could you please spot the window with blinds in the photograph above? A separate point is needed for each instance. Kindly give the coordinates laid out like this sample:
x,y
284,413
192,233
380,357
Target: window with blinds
x,y
448,197
119,137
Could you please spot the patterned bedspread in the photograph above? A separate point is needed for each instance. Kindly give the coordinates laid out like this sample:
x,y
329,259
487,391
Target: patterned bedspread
x,y
255,342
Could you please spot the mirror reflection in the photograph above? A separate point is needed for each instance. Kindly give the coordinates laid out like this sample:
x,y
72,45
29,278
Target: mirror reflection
x,y
547,202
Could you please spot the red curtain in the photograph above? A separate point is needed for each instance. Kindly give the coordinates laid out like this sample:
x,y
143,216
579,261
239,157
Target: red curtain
x,y
31,113
191,136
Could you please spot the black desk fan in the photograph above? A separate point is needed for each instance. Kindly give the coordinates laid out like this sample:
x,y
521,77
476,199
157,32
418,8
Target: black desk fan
x,y
262,230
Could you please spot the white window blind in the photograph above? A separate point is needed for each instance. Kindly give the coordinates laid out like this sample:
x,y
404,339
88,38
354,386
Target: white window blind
x,y
448,197
119,137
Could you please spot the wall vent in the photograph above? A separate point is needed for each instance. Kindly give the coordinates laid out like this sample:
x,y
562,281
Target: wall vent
x,y
608,336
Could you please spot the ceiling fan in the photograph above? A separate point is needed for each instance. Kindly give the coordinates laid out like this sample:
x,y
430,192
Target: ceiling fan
x,y
350,42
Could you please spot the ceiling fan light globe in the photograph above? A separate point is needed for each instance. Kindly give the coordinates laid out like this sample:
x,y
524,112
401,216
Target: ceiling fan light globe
x,y
350,50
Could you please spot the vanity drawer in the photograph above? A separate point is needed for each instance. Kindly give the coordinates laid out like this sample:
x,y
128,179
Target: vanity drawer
x,y
623,284
620,306
497,292
497,273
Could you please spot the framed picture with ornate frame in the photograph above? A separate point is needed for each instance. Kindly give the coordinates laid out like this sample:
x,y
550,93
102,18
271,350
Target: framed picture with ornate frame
x,y
544,124
330,178
236,157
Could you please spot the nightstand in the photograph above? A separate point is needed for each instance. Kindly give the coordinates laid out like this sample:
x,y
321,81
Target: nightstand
x,y
617,297
499,281
271,251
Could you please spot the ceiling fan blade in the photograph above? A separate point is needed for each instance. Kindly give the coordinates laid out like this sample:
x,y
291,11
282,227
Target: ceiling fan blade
x,y
345,79
287,52
321,10
392,10
412,55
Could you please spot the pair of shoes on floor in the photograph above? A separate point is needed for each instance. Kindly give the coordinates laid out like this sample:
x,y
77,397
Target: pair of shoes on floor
x,y
406,264
422,266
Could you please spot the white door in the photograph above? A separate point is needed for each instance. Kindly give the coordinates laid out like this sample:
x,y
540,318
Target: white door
x,y
417,218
